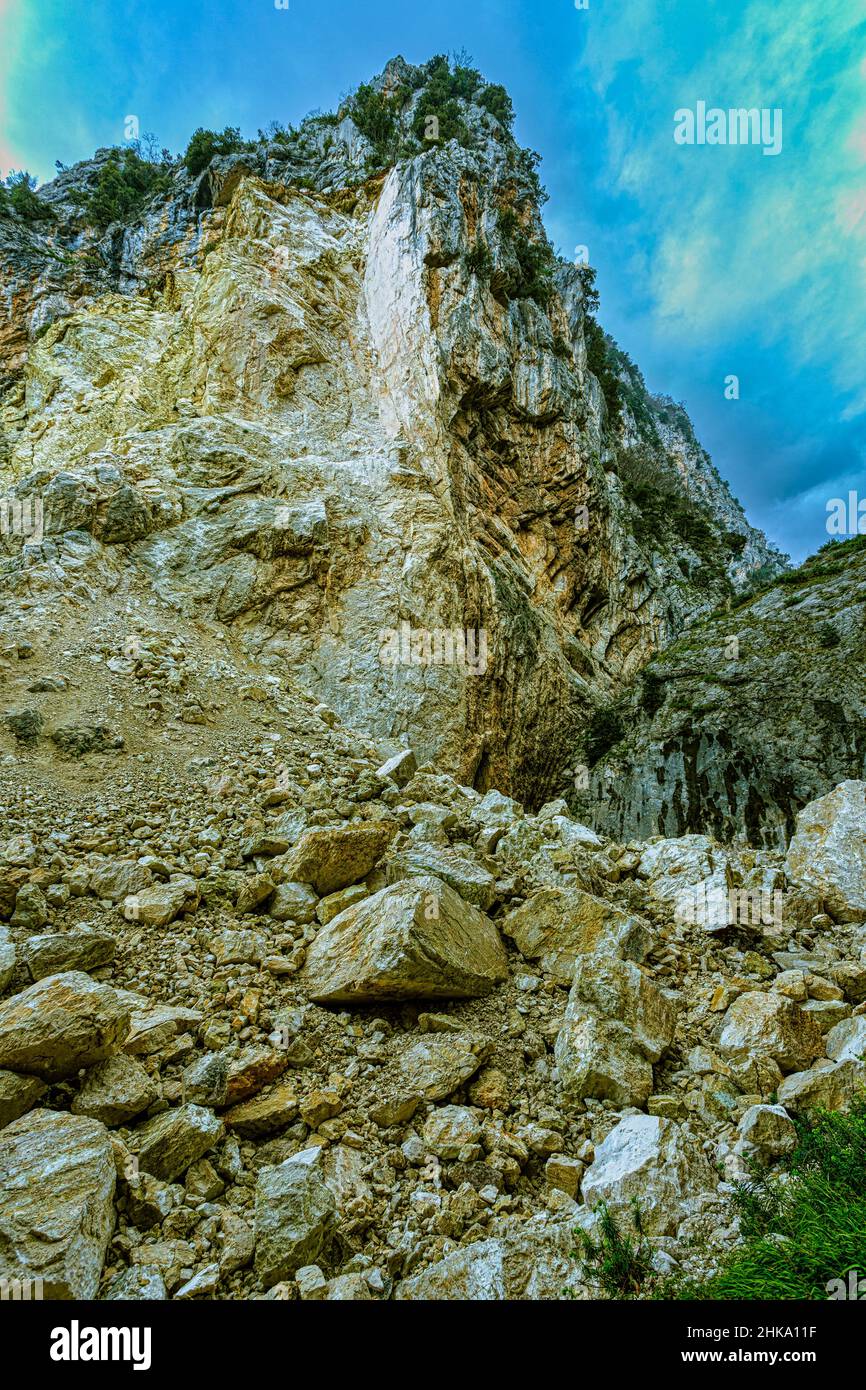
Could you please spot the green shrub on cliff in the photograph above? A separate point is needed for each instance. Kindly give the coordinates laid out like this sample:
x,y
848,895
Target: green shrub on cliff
x,y
125,183
21,198
204,145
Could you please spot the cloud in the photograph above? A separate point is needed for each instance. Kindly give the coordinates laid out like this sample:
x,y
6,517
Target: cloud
x,y
745,246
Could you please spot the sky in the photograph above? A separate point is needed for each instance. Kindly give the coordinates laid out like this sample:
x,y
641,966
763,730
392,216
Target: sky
x,y
714,260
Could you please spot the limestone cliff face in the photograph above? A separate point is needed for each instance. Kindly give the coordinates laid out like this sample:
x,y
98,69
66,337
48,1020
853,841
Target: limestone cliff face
x,y
753,713
325,407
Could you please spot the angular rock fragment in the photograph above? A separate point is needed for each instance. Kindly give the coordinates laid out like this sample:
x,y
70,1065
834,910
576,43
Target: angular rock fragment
x,y
416,939
331,859
116,1090
454,866
295,1215
654,1161
57,1177
18,1094
557,925
169,1143
770,1025
60,1024
59,951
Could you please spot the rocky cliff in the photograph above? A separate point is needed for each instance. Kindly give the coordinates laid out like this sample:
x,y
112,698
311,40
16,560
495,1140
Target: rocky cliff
x,y
347,412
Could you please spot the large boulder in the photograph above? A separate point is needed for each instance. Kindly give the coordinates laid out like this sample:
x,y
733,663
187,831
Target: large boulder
x,y
827,854
57,1177
333,858
527,1260
56,952
766,1131
61,1024
826,1086
690,876
770,1025
557,925
654,1161
597,1057
295,1215
415,939
617,1022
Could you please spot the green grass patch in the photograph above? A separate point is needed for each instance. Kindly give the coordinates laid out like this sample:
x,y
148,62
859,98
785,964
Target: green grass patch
x,y
802,1228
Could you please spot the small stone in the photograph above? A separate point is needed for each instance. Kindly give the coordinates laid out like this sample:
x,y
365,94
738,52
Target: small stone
x,y
564,1173
169,1143
490,1090
320,1105
311,1282
265,1114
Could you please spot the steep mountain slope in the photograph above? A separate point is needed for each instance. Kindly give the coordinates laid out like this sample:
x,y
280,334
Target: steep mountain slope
x,y
333,391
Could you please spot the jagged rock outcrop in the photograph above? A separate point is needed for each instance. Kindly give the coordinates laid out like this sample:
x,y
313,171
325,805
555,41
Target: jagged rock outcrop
x,y
752,713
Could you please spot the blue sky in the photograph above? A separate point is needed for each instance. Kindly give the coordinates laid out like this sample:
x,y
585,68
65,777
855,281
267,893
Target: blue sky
x,y
712,260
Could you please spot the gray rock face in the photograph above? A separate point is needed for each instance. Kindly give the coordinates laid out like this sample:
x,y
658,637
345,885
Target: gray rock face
x,y
533,584
295,1215
60,1024
57,1177
745,719
416,939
